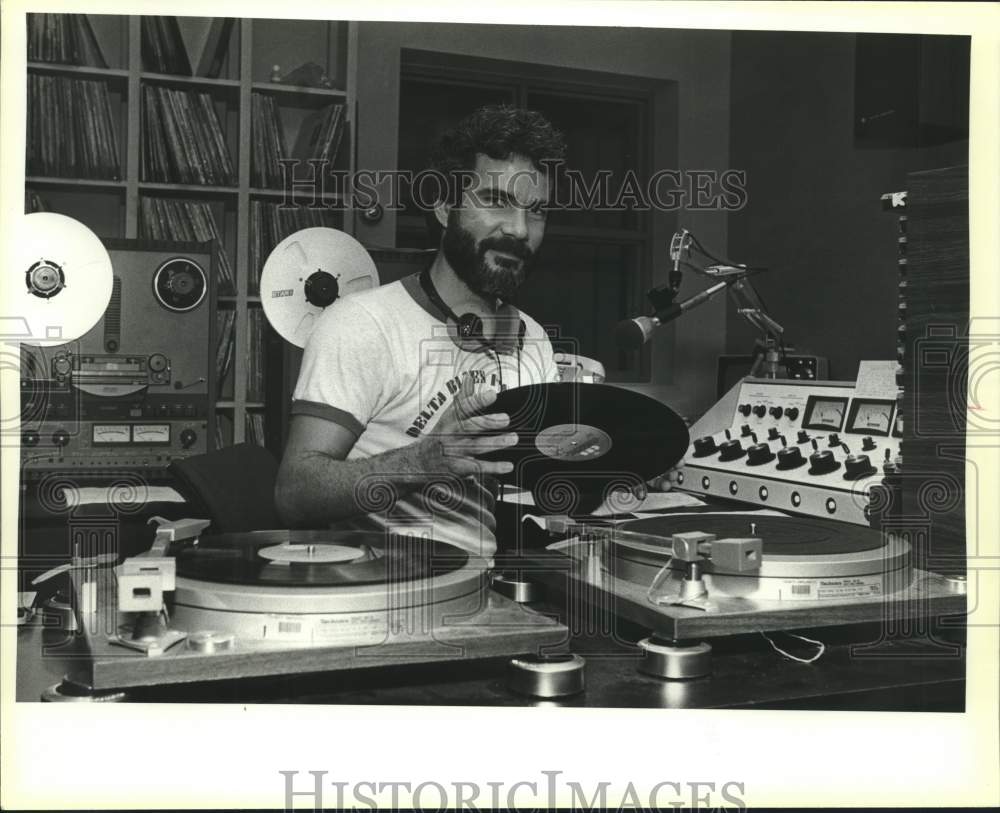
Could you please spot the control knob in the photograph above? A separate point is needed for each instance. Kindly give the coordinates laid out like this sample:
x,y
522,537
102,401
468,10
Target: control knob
x,y
745,430
760,410
758,454
731,450
705,446
792,413
188,438
868,444
772,433
834,439
744,410
790,458
803,436
857,466
29,438
775,411
823,462
60,437
157,362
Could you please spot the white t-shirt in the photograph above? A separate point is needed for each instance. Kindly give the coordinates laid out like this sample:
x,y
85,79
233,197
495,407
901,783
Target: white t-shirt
x,y
381,364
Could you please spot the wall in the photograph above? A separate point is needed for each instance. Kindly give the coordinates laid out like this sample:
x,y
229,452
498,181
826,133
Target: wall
x,y
813,214
697,60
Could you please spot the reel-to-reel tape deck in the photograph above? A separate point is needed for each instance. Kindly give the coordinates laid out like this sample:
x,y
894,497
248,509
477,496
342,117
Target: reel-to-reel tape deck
x,y
106,385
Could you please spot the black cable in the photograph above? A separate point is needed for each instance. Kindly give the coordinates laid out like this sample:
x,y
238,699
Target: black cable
x,y
751,272
707,253
496,357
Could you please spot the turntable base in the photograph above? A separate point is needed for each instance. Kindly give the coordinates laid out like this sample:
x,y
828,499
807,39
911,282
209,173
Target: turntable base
x,y
499,627
928,595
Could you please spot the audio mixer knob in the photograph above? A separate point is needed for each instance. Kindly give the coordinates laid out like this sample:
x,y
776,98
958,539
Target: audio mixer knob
x,y
803,436
857,466
745,430
792,413
758,454
834,439
790,458
822,462
731,450
744,410
30,438
760,410
775,412
188,438
705,446
772,433
60,437
868,444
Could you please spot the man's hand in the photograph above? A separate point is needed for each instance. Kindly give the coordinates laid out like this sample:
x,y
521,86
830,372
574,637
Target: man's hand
x,y
458,437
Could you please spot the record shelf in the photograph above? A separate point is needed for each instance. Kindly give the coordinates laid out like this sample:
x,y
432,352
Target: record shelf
x,y
231,64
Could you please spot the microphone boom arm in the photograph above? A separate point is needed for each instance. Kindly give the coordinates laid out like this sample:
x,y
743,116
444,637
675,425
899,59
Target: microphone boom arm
x,y
752,309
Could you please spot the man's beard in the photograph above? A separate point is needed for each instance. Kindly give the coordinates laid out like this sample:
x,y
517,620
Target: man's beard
x,y
469,262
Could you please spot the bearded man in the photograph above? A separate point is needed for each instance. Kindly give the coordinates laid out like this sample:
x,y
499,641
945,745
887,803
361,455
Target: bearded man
x,y
391,408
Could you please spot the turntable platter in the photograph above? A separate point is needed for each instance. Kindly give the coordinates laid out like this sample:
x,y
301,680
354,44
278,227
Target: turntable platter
x,y
306,559
343,587
785,536
798,552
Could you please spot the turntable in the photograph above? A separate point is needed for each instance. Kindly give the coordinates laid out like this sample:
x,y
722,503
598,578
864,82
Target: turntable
x,y
691,577
203,608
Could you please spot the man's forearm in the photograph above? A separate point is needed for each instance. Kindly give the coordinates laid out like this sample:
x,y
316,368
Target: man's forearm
x,y
315,488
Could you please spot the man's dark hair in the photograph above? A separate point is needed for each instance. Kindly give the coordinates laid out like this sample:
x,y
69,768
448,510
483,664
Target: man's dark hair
x,y
498,131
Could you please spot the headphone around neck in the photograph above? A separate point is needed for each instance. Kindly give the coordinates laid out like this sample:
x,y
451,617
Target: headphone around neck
x,y
469,328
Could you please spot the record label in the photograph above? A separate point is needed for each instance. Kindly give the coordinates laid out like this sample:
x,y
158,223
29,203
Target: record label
x,y
311,554
570,441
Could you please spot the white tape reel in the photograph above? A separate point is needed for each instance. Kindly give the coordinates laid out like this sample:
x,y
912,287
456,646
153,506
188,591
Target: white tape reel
x,y
65,278
307,272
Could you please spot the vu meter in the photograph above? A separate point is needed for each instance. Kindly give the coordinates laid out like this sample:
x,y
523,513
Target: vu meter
x,y
870,417
111,433
825,413
151,433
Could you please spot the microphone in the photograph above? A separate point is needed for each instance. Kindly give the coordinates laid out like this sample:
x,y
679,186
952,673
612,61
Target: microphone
x,y
632,334
679,243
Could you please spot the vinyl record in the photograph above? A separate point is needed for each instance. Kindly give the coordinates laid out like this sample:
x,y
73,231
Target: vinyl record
x,y
575,441
306,273
316,558
785,536
823,560
65,278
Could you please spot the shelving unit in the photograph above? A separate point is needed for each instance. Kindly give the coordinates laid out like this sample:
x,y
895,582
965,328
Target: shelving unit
x,y
111,207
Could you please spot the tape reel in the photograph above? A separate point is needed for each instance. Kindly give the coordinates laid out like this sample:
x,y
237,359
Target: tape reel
x,y
306,273
66,278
